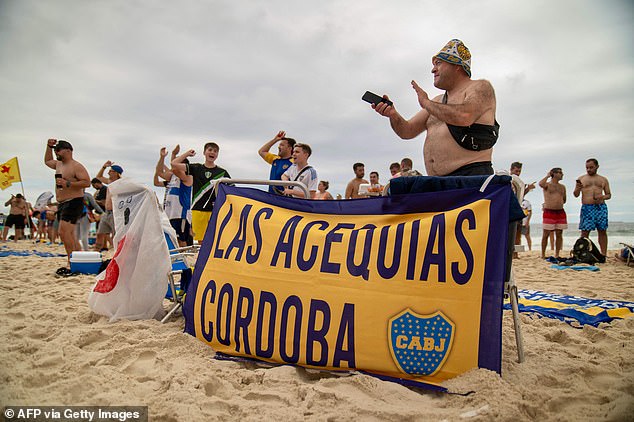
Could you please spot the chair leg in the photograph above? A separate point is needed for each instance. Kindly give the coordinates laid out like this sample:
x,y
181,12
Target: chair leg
x,y
177,301
172,285
513,297
176,307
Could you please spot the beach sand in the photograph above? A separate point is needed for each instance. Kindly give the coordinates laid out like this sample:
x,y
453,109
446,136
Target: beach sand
x,y
57,352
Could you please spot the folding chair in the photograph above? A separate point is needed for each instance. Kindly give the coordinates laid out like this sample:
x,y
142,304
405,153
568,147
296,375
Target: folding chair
x,y
180,266
510,288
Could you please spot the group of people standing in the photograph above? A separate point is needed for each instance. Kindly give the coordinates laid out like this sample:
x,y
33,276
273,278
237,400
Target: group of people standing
x,y
594,190
189,194
17,218
40,220
291,164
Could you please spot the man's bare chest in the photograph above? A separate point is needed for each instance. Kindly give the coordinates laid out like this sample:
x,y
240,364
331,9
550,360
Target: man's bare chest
x,y
555,190
594,182
66,170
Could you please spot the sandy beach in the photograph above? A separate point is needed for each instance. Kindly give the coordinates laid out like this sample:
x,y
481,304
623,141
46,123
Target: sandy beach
x,y
57,352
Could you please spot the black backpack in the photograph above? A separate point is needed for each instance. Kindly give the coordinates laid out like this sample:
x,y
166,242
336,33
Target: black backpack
x,y
586,252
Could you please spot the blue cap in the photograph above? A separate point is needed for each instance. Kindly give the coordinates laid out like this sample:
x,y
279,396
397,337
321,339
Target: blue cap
x,y
116,168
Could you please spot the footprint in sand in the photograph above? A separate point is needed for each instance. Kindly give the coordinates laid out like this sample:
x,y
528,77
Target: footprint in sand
x,y
560,336
15,316
41,333
39,379
88,317
143,364
50,361
266,397
91,338
216,387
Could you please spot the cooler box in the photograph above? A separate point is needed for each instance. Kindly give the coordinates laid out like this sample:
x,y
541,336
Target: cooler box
x,y
85,262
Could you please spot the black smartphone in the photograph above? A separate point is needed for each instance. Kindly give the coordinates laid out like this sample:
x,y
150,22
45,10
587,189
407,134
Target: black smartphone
x,y
372,98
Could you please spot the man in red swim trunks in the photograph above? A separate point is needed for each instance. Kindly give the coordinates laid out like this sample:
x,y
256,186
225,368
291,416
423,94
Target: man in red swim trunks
x,y
554,215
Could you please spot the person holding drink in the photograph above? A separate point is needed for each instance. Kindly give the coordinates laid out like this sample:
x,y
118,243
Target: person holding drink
x,y
71,178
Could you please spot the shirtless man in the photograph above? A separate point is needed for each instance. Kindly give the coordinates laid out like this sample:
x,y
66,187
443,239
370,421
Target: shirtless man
x,y
594,190
554,215
465,102
16,217
352,190
71,178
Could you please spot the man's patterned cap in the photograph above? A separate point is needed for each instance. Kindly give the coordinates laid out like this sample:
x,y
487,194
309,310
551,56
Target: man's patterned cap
x,y
455,52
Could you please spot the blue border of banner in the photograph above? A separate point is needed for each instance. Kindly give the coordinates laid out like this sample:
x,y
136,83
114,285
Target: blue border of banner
x,y
490,352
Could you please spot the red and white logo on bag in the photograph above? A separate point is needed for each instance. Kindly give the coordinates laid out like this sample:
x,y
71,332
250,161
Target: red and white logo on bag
x,y
112,273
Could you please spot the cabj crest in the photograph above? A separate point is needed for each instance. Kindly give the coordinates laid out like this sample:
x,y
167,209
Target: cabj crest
x,y
420,344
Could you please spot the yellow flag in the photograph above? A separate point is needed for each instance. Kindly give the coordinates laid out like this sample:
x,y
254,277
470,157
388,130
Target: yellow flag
x,y
9,173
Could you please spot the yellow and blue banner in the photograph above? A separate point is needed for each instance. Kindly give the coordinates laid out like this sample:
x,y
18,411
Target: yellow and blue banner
x,y
408,287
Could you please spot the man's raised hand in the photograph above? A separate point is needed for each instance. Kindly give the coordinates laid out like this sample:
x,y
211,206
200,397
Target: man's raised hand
x,y
420,93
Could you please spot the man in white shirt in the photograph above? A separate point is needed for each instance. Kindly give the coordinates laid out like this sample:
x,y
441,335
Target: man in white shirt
x,y
301,172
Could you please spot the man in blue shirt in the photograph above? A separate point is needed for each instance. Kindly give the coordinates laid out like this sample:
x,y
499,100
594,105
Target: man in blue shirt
x,y
280,162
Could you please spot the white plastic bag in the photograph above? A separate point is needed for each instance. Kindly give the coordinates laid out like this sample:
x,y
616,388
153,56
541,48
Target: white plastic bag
x,y
134,283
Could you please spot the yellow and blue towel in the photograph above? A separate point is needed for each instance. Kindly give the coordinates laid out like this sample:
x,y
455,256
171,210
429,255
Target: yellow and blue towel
x,y
572,309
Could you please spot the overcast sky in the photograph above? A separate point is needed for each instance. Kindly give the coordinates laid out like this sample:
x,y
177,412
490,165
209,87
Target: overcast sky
x,y
120,79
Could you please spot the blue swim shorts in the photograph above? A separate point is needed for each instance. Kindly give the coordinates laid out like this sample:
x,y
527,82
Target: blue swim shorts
x,y
593,216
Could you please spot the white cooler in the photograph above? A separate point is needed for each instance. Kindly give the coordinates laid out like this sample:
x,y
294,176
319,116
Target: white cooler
x,y
85,262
